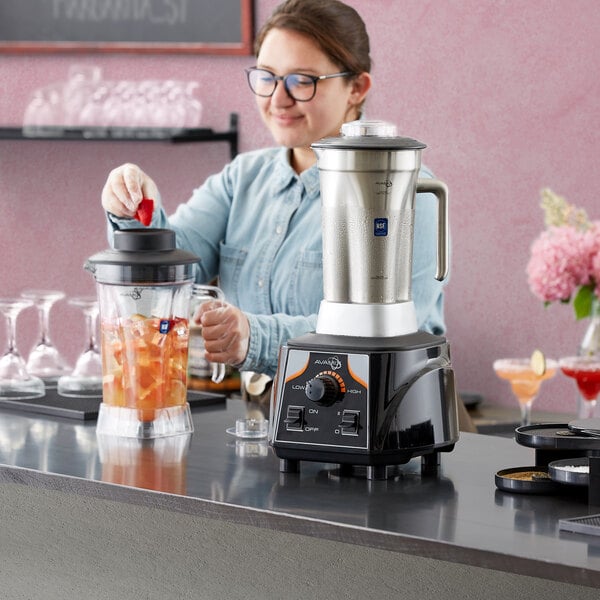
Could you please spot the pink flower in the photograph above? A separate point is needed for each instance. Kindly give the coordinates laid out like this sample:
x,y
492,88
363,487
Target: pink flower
x,y
560,262
593,242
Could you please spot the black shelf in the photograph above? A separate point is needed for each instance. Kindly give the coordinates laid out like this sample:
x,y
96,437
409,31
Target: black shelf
x,y
129,134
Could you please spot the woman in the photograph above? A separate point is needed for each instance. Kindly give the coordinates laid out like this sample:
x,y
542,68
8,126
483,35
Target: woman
x,y
257,225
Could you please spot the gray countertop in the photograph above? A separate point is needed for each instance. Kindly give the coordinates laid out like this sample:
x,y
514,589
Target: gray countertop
x,y
457,516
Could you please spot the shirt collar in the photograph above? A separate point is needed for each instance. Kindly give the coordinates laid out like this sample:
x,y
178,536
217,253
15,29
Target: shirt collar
x,y
284,175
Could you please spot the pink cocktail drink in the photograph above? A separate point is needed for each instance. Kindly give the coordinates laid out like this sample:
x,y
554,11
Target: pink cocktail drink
x,y
586,372
525,382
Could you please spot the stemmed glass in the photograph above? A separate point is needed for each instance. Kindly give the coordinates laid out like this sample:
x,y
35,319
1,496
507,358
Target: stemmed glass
x,y
44,360
86,378
15,382
525,379
586,372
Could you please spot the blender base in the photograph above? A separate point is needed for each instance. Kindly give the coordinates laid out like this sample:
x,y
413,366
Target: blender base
x,y
364,403
128,422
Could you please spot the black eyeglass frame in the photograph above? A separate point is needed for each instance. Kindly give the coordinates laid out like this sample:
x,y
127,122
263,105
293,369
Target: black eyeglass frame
x,y
277,78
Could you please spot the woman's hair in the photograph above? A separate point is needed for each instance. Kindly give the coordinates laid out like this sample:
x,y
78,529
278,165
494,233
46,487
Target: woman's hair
x,y
336,28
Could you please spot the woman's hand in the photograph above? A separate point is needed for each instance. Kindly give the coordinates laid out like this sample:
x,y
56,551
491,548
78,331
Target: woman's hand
x,y
225,330
124,189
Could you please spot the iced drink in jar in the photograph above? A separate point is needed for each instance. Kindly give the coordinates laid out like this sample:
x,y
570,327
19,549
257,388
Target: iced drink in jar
x,y
145,363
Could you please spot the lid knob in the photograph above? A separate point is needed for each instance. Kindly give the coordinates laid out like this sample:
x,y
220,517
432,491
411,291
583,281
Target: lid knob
x,y
144,240
369,129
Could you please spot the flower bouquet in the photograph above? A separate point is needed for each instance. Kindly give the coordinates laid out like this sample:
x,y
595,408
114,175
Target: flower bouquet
x,y
565,259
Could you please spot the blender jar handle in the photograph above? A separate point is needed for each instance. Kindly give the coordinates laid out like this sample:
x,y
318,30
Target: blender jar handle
x,y
211,292
440,190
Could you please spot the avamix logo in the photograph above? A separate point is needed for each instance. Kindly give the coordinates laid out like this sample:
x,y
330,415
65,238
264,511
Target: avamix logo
x,y
386,182
333,362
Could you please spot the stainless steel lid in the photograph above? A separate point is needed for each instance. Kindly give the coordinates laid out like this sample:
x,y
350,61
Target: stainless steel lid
x,y
366,135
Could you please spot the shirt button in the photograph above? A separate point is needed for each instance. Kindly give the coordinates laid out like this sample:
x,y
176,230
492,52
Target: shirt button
x,y
261,282
278,229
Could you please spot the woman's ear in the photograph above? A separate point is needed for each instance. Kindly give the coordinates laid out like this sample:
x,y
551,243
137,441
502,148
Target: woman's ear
x,y
361,84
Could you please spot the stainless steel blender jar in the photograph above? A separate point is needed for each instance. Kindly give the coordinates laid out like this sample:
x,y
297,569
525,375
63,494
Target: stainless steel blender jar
x,y
369,177
367,388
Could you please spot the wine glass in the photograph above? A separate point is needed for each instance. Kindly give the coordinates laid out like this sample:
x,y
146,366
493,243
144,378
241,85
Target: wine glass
x,y
43,114
86,378
44,360
525,380
586,372
15,382
77,91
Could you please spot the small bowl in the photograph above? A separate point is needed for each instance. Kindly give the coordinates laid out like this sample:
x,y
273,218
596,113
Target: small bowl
x,y
526,480
250,428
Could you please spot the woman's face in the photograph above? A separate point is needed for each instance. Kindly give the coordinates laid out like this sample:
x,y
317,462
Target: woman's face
x,y
298,124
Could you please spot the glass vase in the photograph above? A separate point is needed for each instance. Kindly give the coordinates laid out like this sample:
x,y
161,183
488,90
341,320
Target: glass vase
x,y
590,344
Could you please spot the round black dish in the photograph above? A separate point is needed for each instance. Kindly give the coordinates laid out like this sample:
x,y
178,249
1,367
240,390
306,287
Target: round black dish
x,y
559,473
526,480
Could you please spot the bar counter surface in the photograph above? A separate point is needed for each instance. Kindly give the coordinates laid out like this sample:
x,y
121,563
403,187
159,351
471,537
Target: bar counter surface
x,y
210,516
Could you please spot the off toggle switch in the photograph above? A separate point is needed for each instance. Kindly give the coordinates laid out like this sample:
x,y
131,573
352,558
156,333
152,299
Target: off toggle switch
x,y
350,422
294,420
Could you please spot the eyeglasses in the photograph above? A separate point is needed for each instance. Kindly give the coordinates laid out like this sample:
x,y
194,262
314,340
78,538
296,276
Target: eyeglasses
x,y
298,86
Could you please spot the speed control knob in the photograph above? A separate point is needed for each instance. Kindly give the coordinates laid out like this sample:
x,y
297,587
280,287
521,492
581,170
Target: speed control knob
x,y
323,389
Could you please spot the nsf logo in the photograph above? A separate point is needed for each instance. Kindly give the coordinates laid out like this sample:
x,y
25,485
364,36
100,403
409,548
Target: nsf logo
x,y
380,227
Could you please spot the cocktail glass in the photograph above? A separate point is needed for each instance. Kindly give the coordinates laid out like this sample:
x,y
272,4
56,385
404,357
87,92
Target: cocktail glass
x,y
524,381
586,372
44,360
86,378
16,383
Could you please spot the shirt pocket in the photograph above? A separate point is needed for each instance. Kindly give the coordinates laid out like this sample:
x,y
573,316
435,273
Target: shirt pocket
x,y
306,290
231,262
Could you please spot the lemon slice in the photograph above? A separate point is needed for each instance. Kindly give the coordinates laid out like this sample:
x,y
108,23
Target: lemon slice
x,y
538,362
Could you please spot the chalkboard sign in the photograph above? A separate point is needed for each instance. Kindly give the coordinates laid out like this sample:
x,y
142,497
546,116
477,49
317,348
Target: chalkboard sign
x,y
200,26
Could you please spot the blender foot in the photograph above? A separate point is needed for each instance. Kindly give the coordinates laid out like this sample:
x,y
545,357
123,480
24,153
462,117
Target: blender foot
x,y
346,470
288,465
430,463
377,472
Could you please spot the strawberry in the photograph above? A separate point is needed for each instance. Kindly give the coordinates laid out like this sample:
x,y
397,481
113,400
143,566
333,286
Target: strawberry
x,y
144,211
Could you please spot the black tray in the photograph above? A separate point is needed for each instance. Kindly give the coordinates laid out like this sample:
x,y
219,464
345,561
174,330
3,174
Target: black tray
x,y
588,524
554,436
87,408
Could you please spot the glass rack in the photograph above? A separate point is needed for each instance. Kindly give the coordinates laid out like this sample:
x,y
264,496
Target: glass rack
x,y
139,134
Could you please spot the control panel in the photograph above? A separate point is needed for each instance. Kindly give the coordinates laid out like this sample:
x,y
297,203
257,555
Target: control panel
x,y
324,399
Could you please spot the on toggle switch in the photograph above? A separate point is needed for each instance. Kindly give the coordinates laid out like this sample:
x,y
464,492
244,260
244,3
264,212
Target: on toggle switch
x,y
350,422
294,420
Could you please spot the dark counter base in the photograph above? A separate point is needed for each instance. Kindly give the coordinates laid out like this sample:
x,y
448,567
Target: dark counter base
x,y
470,530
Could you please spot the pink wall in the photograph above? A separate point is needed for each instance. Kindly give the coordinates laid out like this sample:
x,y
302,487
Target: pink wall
x,y
504,93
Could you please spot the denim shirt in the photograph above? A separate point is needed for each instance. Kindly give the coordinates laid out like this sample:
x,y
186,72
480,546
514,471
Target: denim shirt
x,y
256,226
